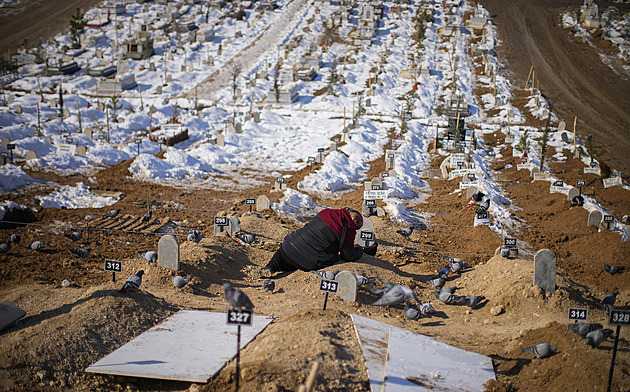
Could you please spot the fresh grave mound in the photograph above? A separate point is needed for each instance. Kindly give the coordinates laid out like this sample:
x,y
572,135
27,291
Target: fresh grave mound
x,y
574,367
52,348
281,357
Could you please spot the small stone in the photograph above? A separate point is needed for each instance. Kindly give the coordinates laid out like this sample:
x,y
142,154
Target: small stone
x,y
193,388
497,310
42,375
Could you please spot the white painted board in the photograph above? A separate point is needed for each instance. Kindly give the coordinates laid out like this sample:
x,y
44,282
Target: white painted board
x,y
400,360
188,346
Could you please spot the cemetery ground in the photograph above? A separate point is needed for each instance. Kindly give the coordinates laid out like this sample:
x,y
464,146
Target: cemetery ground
x,y
67,329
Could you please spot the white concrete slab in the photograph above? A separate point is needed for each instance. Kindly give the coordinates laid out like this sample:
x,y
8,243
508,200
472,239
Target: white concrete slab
x,y
400,360
188,346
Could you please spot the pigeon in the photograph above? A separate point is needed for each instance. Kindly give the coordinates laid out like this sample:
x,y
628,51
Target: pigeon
x,y
37,245
15,238
133,282
437,282
269,285
483,206
595,338
450,290
195,236
542,350
112,213
396,294
405,232
444,296
236,298
612,269
505,252
412,313
426,309
179,281
456,263
583,329
5,247
473,300
74,236
363,280
150,256
82,253
327,275
246,238
443,273
147,217
608,303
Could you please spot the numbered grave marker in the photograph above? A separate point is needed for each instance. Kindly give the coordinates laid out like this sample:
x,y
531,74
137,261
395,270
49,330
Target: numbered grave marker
x,y
328,286
581,183
510,242
240,317
251,202
619,317
576,314
113,266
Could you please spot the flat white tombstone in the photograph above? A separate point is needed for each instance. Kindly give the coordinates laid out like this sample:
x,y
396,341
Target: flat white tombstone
x,y
30,155
9,313
262,203
190,345
220,140
545,270
391,364
168,252
365,235
595,218
347,289
573,192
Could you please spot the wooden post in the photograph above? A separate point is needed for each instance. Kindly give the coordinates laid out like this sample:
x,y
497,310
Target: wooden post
x,y
140,92
39,123
529,74
309,386
574,138
79,116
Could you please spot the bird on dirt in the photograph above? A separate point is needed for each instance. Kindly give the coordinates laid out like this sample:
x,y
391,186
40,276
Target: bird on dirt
x,y
147,217
112,213
236,298
412,313
246,237
505,252
608,303
269,285
405,232
326,275
612,269
15,238
363,280
583,329
179,281
437,282
542,350
37,245
456,263
473,300
82,253
195,236
426,309
443,273
595,338
74,236
133,282
5,247
444,296
150,256
395,295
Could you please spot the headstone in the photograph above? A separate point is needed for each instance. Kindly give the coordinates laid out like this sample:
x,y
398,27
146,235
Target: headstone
x,y
220,140
393,173
380,212
262,203
280,184
369,207
88,132
48,139
545,270
168,252
9,313
347,288
81,150
17,109
221,224
594,218
122,67
191,68
333,146
377,183
573,192
30,155
66,113
444,166
5,141
158,90
152,67
365,235
10,100
235,224
169,78
256,117
565,137
562,126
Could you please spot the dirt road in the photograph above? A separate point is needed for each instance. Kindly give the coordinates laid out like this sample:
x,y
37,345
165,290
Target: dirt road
x,y
571,73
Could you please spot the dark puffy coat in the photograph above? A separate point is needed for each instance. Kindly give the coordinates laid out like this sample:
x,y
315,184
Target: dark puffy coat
x,y
316,245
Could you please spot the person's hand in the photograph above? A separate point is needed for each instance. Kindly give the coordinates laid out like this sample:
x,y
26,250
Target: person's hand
x,y
371,250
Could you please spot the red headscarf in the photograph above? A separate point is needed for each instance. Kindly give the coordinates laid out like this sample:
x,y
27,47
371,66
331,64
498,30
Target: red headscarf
x,y
334,219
